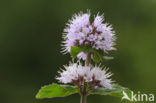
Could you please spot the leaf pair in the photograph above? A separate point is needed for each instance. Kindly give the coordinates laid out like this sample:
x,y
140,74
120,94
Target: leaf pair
x,y
97,54
56,90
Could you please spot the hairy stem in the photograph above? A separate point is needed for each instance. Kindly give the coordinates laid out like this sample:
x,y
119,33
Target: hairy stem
x,y
83,89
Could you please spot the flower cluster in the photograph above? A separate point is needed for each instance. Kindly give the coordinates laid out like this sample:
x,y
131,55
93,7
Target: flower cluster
x,y
77,74
81,32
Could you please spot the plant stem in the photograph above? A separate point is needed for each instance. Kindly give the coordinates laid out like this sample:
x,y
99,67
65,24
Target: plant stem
x,y
88,59
83,98
83,89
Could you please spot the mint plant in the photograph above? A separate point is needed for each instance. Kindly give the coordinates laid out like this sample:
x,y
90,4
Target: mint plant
x,y
88,43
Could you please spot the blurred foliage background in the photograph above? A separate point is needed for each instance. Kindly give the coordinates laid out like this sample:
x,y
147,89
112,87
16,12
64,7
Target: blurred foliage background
x,y
30,37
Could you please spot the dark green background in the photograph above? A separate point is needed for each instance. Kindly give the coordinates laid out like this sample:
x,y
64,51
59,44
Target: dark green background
x,y
30,37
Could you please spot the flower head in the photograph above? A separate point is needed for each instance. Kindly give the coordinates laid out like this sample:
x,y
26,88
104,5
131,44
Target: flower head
x,y
81,32
77,74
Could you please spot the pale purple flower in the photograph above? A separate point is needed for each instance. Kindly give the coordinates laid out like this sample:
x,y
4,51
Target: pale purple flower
x,y
94,76
82,55
81,32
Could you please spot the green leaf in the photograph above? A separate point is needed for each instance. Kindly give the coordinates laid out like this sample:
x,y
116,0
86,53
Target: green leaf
x,y
55,90
117,91
75,51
